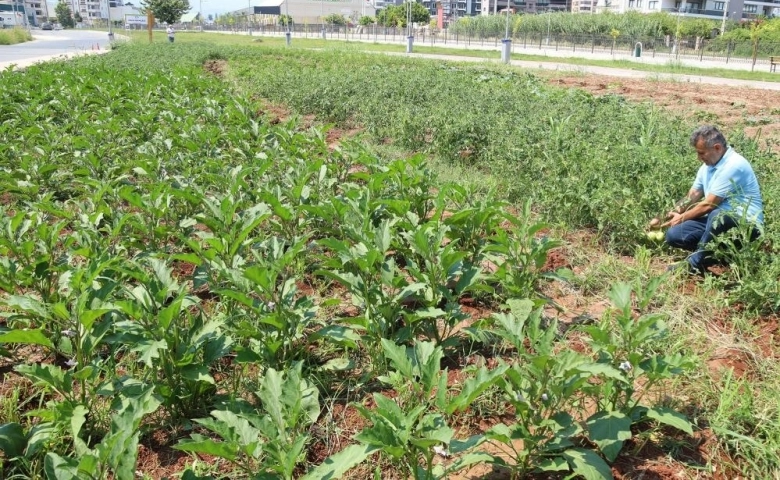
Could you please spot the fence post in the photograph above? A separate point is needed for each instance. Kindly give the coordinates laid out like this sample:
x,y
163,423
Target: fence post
x,y
728,51
593,44
540,42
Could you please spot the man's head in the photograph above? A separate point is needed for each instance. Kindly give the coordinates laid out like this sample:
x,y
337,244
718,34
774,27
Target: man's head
x,y
709,143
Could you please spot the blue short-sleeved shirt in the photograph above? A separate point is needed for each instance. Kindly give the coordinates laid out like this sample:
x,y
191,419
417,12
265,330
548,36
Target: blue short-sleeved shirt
x,y
733,180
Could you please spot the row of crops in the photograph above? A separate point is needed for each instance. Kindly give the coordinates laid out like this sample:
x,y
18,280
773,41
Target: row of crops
x,y
171,262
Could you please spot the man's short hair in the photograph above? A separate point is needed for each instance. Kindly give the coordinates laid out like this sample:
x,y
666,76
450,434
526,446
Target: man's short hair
x,y
710,135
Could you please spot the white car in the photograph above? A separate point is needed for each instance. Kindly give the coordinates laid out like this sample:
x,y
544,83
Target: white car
x,y
58,27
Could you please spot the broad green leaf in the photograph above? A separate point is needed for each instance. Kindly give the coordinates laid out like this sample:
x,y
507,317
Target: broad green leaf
x,y
27,337
201,444
339,334
48,375
28,304
670,417
554,464
197,373
603,369
621,296
475,386
12,440
338,364
587,464
609,430
58,468
340,463
398,357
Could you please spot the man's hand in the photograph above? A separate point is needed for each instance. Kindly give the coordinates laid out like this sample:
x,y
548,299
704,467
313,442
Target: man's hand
x,y
673,218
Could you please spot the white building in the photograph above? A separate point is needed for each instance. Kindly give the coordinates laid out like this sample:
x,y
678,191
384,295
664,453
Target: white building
x,y
307,11
709,9
33,12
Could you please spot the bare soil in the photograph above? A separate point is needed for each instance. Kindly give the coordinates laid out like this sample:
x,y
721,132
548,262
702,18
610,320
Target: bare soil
x,y
755,110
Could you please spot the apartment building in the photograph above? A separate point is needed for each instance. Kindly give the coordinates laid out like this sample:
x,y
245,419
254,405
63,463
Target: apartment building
x,y
710,9
33,12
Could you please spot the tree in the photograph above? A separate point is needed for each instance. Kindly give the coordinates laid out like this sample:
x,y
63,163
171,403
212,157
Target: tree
x,y
63,15
335,19
698,28
167,11
77,17
366,20
396,15
285,20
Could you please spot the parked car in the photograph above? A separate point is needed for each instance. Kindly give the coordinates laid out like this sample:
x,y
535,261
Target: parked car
x,y
47,26
58,27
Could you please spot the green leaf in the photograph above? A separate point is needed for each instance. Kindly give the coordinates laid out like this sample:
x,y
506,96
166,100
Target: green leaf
x,y
48,375
398,357
12,440
340,463
197,373
603,369
587,464
27,337
609,430
28,304
621,296
669,417
554,464
201,444
58,468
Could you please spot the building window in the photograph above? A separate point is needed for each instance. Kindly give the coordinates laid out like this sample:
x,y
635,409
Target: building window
x,y
653,5
630,3
751,8
638,3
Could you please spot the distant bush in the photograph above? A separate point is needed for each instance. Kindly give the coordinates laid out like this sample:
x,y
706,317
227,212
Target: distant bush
x,y
14,36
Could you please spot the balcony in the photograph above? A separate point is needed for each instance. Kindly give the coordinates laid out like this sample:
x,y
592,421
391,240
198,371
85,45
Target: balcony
x,y
695,11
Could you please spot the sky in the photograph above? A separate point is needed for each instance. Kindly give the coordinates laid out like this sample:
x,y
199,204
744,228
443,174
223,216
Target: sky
x,y
210,7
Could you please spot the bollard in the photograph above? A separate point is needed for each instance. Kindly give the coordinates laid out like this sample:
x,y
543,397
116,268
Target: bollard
x,y
287,36
506,49
324,35
409,43
638,49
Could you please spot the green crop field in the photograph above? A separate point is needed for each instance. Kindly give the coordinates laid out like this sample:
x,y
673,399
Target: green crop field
x,y
248,261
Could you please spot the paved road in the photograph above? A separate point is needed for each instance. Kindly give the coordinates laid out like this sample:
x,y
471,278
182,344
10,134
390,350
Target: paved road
x,y
48,44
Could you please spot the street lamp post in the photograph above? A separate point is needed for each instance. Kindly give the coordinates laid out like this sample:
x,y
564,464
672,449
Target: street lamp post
x,y
506,43
723,23
110,27
410,37
549,18
288,34
322,17
249,17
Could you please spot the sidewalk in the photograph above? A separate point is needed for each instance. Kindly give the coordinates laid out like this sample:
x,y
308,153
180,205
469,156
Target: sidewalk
x,y
552,50
551,64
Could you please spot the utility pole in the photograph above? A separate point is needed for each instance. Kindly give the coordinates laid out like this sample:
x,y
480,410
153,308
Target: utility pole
x,y
322,17
110,27
149,23
288,34
725,13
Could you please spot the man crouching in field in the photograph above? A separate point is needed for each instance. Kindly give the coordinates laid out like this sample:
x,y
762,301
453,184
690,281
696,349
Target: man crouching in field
x,y
724,192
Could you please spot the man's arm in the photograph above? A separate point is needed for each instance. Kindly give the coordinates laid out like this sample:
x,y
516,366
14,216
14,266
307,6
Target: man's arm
x,y
694,195
700,209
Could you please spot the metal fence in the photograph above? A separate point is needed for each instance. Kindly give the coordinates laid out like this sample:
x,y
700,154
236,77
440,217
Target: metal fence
x,y
662,47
